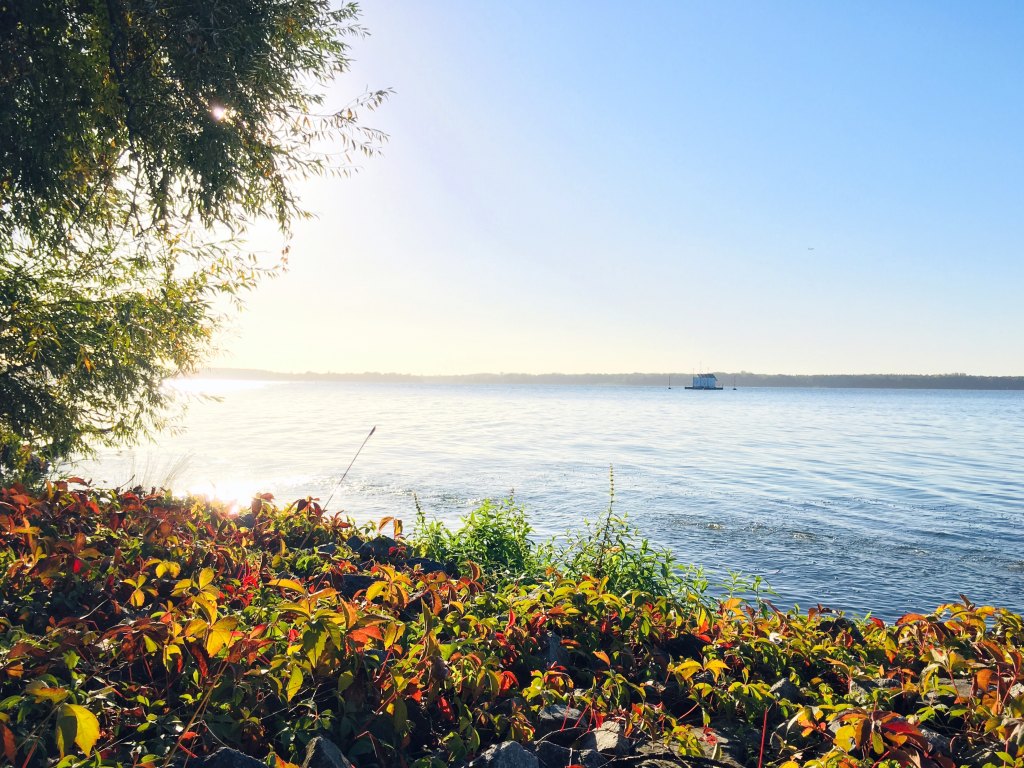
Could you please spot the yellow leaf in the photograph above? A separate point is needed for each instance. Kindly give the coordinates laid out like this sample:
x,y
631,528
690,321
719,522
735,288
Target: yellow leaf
x,y
716,667
43,692
219,635
294,683
76,725
846,738
287,584
208,607
603,657
205,577
375,589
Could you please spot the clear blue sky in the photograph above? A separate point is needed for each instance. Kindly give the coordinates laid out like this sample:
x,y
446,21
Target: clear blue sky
x,y
598,187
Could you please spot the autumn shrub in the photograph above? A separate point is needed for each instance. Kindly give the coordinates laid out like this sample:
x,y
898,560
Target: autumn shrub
x,y
140,629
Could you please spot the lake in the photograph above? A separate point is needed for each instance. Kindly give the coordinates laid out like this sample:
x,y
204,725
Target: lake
x,y
864,500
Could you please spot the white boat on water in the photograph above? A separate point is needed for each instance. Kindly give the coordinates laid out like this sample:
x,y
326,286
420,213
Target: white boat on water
x,y
705,381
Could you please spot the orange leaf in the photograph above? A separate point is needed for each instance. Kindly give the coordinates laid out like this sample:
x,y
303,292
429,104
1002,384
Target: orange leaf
x,y
10,747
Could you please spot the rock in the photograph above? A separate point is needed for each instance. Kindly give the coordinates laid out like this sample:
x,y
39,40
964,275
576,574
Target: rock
x,y
1017,690
951,690
354,542
327,549
862,689
786,689
557,717
351,583
684,647
676,701
589,758
556,652
837,626
937,743
551,755
652,754
722,744
246,520
227,758
323,753
380,548
426,565
509,754
608,739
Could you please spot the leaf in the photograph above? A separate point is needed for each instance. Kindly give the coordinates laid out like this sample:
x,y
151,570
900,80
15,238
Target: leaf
x,y
603,657
294,684
10,747
205,577
43,692
220,635
76,725
287,584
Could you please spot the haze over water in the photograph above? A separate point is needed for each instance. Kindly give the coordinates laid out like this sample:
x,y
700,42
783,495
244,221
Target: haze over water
x,y
865,500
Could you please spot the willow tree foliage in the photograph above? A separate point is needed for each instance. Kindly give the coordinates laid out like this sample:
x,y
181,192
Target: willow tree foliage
x,y
138,140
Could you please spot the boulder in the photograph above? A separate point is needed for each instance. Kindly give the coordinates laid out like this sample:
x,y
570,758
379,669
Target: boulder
x,y
862,689
427,565
784,688
351,583
608,739
557,717
589,758
323,753
684,646
551,755
555,652
508,754
379,548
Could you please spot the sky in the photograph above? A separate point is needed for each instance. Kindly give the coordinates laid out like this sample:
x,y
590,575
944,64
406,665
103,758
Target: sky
x,y
588,187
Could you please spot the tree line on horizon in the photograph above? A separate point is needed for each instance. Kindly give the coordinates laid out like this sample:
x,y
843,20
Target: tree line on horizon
x,y
675,380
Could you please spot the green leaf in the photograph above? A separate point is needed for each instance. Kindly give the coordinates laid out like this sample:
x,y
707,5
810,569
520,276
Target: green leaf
x,y
294,683
76,725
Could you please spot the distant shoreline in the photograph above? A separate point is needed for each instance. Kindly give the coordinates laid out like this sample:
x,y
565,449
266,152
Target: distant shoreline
x,y
955,381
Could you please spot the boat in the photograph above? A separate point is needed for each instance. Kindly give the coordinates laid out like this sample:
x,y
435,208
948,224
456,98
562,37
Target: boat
x,y
707,381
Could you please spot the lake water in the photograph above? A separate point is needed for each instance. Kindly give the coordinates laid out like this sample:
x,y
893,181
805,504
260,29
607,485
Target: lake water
x,y
879,500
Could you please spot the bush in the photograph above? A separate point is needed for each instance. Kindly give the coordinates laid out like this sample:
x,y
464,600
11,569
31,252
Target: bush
x,y
495,536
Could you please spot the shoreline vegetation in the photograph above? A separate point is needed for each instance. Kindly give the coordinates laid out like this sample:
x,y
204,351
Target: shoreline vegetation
x,y
141,629
953,381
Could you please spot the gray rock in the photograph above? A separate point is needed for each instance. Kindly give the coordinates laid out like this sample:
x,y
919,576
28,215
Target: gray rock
x,y
786,689
937,743
557,717
354,542
862,689
351,583
589,758
246,520
608,739
508,754
227,758
950,691
1017,690
553,755
556,652
721,744
323,753
426,565
380,548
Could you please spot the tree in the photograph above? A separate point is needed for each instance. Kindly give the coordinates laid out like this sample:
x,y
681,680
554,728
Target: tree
x,y
138,140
